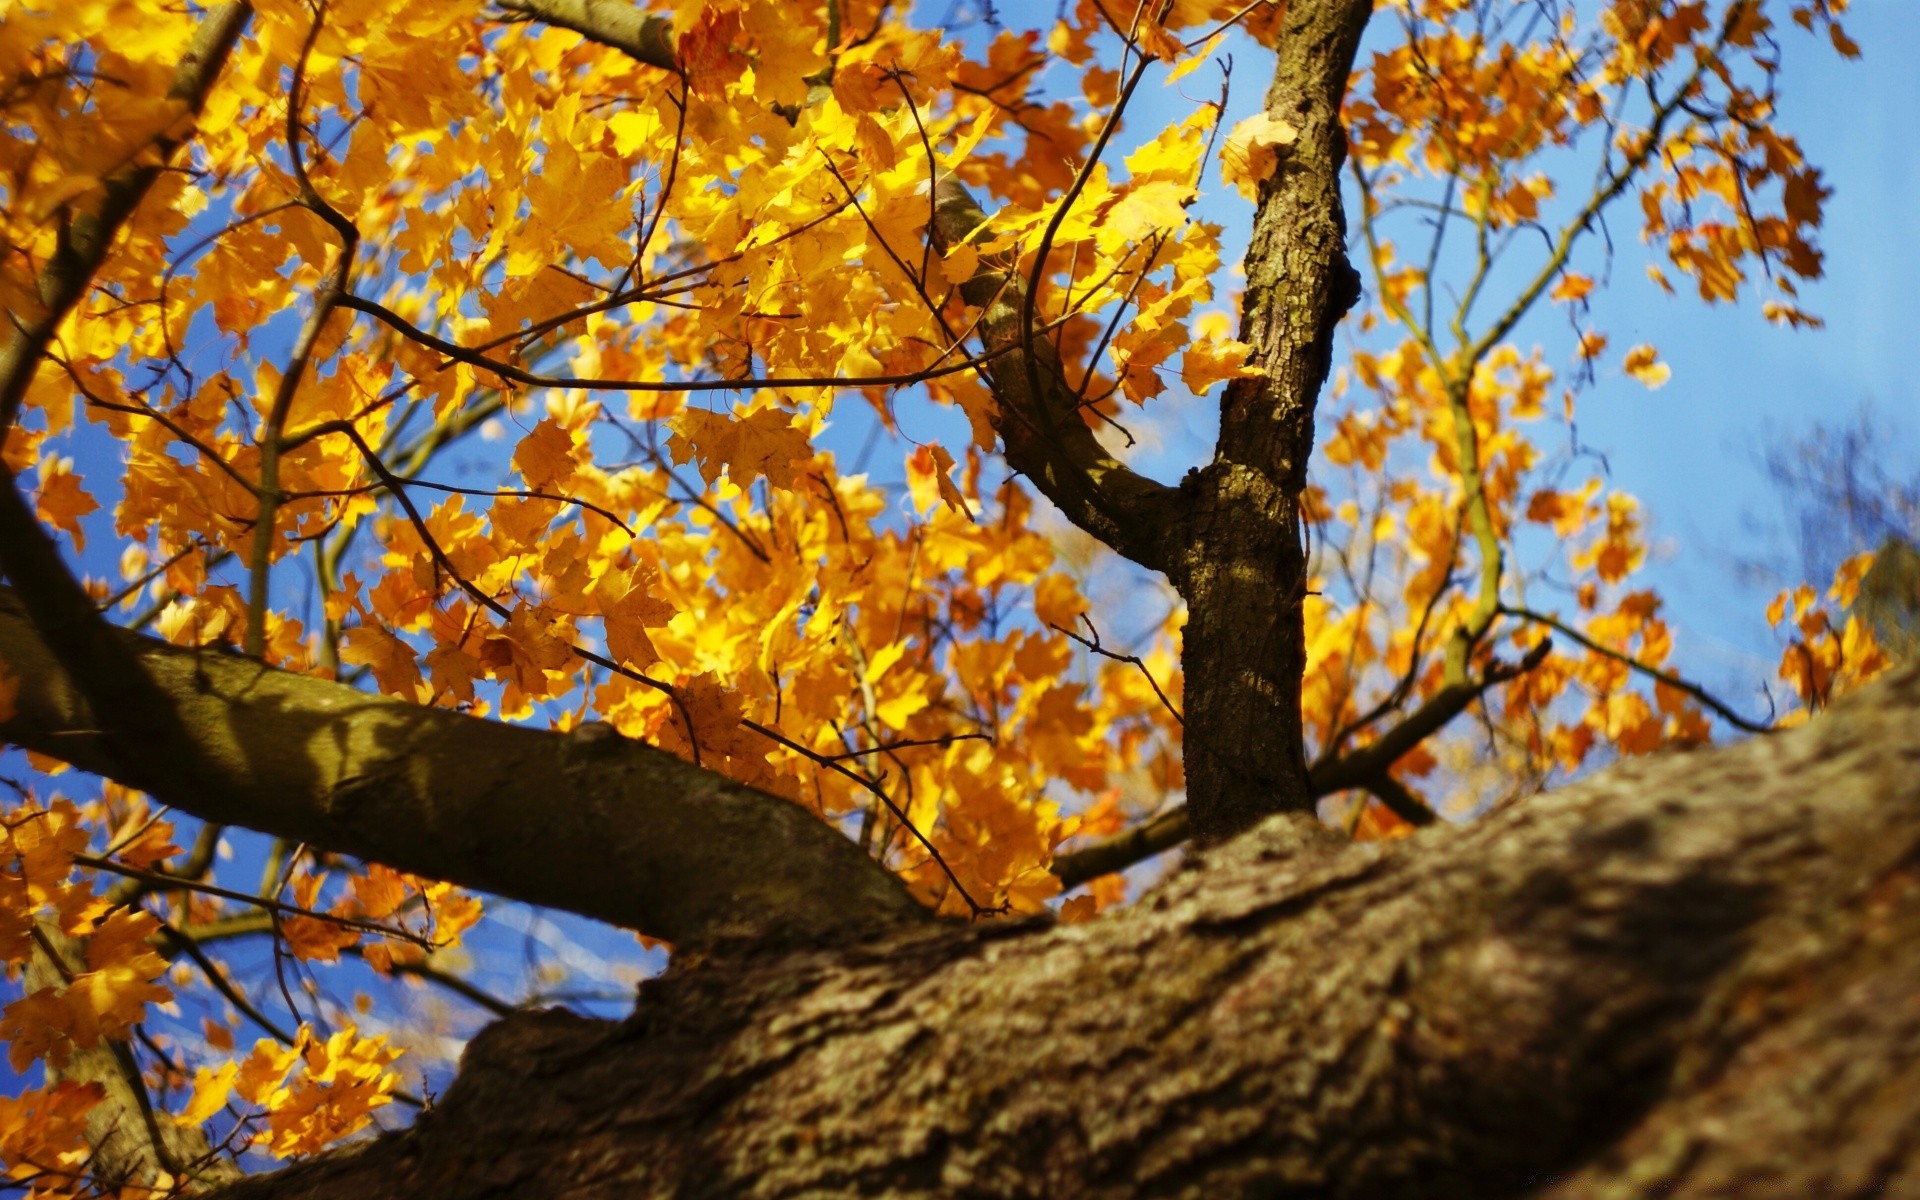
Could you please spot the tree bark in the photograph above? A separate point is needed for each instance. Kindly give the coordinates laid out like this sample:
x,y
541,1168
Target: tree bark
x,y
1694,975
1242,567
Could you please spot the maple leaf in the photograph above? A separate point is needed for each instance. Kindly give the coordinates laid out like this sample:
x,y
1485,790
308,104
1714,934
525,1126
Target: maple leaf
x,y
1144,209
1253,150
628,608
1208,361
211,1088
379,892
61,500
929,470
763,443
396,666
1570,287
710,49
544,457
151,846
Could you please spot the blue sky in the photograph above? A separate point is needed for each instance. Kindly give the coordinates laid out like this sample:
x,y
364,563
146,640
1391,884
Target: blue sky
x,y
1688,450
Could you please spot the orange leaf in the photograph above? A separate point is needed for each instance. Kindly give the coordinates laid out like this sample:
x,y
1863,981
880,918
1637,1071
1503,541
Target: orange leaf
x,y
1643,364
545,456
62,501
1253,150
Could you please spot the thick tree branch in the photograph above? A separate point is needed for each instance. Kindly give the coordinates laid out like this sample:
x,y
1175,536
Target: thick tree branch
x,y
1630,987
609,828
1123,849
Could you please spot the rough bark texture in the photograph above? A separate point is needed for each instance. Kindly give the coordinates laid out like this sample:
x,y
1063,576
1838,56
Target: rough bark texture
x,y
1695,975
1241,566
608,827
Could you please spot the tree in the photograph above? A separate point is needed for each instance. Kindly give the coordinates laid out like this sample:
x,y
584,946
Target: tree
x,y
690,677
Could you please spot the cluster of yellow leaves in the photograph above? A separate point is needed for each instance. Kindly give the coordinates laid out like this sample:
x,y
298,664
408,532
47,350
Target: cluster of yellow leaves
x,y
1830,650
51,912
1672,103
376,894
100,998
43,1136
1400,539
47,910
308,1095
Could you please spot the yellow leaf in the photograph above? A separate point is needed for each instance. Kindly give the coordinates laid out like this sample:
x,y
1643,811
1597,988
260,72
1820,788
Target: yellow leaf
x,y
62,501
928,476
1078,910
1188,65
1146,208
1572,286
544,457
395,666
1642,363
211,1087
959,264
1253,150
895,711
1209,360
261,1072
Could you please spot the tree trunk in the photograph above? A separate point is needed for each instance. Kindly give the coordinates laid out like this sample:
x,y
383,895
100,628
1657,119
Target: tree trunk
x,y
1695,975
1241,567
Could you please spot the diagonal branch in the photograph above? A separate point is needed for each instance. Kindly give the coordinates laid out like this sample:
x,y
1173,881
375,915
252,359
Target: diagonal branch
x,y
618,24
1359,767
1038,413
618,830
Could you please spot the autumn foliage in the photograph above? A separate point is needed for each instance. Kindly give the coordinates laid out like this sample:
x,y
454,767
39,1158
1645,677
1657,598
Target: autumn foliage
x,y
475,358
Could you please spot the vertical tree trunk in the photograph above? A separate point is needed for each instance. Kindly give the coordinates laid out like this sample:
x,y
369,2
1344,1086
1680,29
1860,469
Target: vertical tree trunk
x,y
1243,654
1242,568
